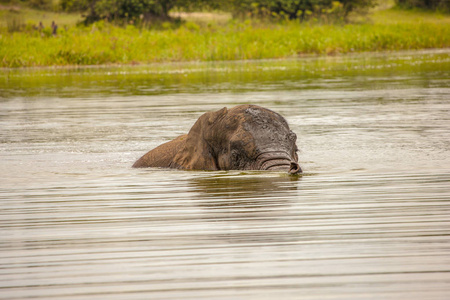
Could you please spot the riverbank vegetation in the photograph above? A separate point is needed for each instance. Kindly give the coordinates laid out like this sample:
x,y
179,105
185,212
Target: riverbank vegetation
x,y
209,36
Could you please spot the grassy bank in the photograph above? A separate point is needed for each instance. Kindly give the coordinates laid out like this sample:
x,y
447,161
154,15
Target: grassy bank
x,y
104,43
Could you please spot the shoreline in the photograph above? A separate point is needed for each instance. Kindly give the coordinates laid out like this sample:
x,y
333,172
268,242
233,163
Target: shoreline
x,y
193,67
197,62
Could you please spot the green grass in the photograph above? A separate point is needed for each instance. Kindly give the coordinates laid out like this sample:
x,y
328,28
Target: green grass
x,y
30,16
400,16
103,43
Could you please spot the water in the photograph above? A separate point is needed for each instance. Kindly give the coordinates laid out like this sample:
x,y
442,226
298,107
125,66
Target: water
x,y
369,219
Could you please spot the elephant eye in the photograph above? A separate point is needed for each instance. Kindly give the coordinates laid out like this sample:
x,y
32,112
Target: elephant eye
x,y
234,154
235,159
292,136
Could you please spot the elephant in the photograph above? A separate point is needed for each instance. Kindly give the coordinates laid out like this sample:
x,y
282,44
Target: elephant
x,y
245,137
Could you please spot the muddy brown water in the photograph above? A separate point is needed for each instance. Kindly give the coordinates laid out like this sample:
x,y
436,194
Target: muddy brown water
x,y
368,219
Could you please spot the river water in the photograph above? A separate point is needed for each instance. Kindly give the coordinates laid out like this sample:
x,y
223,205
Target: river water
x,y
368,219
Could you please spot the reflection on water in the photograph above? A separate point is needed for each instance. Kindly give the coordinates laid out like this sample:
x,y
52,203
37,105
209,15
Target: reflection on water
x,y
377,71
248,198
244,185
369,218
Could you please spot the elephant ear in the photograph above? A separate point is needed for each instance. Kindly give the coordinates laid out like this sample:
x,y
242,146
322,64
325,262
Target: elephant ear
x,y
198,152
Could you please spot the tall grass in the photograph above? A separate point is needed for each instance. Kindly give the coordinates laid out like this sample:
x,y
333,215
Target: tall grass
x,y
104,43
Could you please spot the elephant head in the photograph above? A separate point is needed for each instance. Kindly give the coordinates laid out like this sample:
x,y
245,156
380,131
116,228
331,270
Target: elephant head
x,y
246,137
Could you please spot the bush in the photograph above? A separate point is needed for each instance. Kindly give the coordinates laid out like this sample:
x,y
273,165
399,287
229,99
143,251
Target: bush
x,y
137,10
74,5
299,9
113,10
41,4
443,5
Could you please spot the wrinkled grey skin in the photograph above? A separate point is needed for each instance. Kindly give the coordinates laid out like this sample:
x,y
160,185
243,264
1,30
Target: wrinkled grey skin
x,y
246,137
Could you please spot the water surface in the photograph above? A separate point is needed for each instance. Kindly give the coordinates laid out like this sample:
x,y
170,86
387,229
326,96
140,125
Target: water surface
x,y
369,218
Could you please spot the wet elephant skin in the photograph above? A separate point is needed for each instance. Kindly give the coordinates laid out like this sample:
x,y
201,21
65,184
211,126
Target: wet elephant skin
x,y
245,137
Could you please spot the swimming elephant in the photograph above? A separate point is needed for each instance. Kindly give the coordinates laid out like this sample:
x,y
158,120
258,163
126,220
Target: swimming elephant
x,y
245,137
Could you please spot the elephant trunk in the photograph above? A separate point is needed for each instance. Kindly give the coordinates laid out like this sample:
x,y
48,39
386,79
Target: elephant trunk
x,y
277,161
295,168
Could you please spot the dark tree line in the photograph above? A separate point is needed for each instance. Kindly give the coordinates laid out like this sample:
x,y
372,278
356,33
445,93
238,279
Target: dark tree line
x,y
95,10
135,10
147,9
299,9
443,5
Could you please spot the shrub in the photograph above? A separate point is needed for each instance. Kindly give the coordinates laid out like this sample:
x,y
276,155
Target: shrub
x,y
443,5
113,10
41,4
135,10
299,9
